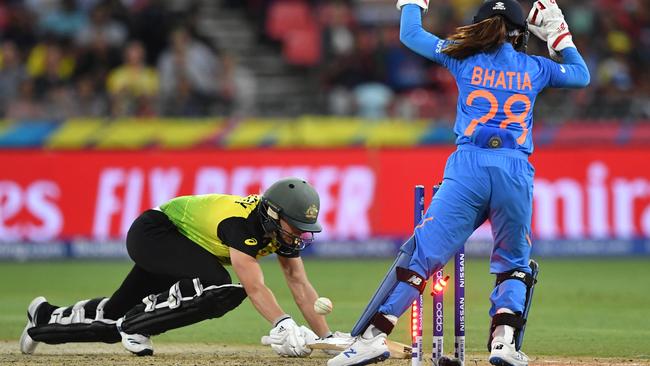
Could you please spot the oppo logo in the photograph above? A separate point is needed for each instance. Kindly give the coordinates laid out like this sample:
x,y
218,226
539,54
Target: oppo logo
x,y
438,317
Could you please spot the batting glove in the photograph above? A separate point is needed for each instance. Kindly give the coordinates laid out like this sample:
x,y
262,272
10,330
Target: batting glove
x,y
424,4
547,22
287,339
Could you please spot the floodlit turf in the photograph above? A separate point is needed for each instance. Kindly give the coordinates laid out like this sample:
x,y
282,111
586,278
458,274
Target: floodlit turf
x,y
598,308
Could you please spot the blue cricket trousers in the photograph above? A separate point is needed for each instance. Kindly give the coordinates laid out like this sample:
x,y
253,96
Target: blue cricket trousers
x,y
478,184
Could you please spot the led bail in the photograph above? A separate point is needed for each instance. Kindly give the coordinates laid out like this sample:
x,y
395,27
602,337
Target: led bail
x,y
439,286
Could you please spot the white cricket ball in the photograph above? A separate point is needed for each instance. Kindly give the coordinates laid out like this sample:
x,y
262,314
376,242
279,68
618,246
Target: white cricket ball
x,y
323,306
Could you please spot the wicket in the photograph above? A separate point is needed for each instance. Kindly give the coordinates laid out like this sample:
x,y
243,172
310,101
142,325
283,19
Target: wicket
x,y
439,281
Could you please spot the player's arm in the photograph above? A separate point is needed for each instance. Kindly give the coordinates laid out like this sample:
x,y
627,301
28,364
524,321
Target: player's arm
x,y
416,38
572,73
303,293
252,278
547,22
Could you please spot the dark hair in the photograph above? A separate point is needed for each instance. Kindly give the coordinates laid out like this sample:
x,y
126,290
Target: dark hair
x,y
483,36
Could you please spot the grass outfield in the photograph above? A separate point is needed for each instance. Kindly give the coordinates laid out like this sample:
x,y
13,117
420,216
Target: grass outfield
x,y
591,308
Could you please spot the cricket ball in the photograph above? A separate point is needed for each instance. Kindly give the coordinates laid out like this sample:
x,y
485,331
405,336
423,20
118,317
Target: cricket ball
x,y
323,306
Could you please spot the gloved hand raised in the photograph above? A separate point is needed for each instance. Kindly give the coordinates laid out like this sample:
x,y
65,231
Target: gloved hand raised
x,y
424,4
547,22
287,339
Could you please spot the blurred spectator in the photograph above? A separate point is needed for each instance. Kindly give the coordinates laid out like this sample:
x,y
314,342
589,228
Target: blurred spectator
x,y
66,21
338,35
101,28
96,60
23,107
133,86
12,73
60,103
88,101
56,70
405,70
41,8
50,54
238,87
4,17
188,71
373,100
21,28
150,24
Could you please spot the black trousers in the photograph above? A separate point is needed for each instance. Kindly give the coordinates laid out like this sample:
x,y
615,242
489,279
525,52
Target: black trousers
x,y
162,256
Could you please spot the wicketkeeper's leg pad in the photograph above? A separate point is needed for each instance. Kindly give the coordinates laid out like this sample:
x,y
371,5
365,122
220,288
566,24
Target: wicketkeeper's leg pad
x,y
412,278
517,320
187,302
398,272
82,322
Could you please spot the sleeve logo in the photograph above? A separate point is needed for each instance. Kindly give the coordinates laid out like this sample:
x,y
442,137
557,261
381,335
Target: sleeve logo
x,y
251,241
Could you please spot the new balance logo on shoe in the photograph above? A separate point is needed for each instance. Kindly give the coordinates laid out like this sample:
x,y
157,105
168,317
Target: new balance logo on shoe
x,y
498,346
350,353
499,6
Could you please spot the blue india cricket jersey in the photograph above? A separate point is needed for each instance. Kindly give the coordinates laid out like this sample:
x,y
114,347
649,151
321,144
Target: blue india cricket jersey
x,y
496,89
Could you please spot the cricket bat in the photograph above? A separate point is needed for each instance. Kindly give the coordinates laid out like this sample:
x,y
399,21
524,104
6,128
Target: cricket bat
x,y
397,350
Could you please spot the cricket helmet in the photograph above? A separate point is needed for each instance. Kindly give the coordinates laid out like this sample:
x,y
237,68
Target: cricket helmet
x,y
514,15
296,202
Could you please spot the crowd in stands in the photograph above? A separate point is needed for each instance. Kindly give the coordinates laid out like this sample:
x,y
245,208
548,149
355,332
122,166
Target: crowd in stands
x,y
96,58
66,58
366,71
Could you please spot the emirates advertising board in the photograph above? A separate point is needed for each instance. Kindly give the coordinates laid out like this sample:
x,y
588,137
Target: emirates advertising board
x,y
81,203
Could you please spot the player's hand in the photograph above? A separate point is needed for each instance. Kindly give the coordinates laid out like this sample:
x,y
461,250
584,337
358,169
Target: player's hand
x,y
308,334
547,22
424,4
535,27
287,339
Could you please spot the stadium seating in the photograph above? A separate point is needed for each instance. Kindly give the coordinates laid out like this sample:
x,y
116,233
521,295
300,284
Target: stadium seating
x,y
285,16
302,46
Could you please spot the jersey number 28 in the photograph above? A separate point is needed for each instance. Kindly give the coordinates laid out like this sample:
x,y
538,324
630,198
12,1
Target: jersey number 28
x,y
507,108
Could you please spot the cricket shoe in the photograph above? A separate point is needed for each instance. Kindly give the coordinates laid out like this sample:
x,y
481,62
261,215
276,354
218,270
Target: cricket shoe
x,y
504,354
138,344
27,344
363,352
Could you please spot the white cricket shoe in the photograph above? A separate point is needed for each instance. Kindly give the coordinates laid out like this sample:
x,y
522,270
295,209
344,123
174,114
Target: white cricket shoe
x,y
138,344
27,344
504,354
362,352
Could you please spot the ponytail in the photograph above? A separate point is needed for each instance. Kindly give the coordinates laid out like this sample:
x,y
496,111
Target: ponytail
x,y
479,37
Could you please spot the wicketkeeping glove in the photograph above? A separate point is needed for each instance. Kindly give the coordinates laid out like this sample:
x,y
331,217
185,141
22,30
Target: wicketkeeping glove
x,y
546,21
287,339
424,4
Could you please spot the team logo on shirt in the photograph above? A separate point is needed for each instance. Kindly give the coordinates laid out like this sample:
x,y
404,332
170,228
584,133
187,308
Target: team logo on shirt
x,y
312,212
251,241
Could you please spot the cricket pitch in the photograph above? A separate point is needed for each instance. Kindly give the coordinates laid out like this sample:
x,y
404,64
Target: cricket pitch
x,y
228,355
